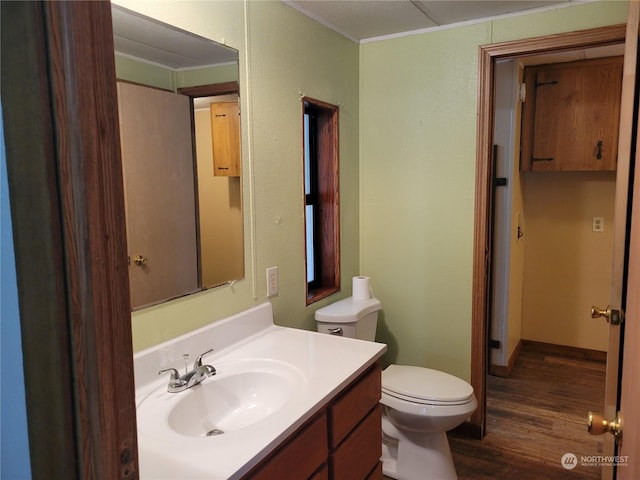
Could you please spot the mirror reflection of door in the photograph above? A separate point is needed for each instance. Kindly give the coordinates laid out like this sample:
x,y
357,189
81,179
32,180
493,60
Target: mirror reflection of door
x,y
157,157
152,54
219,196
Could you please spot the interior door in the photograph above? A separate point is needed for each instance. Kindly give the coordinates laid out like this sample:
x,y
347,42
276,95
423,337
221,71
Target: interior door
x,y
629,385
157,159
630,418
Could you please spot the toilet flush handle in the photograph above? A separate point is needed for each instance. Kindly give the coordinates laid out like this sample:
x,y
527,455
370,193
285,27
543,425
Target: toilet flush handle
x,y
336,331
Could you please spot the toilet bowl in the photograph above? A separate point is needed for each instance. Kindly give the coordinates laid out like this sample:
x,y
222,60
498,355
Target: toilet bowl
x,y
419,404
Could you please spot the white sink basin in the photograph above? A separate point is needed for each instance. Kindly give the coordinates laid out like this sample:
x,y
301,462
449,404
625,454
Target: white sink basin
x,y
270,380
241,394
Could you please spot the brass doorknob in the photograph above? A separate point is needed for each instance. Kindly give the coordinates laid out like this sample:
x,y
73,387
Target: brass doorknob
x,y
597,425
140,260
597,312
614,317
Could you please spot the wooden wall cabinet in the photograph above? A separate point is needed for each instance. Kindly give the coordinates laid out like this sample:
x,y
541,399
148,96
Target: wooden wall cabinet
x,y
342,442
570,116
225,133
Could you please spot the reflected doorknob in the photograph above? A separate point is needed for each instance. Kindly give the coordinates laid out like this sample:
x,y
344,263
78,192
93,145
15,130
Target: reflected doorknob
x,y
614,317
597,425
140,260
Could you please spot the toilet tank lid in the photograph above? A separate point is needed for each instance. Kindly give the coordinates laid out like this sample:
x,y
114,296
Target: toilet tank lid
x,y
347,310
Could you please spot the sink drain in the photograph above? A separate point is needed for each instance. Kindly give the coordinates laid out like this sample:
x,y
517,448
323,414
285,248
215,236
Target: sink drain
x,y
214,432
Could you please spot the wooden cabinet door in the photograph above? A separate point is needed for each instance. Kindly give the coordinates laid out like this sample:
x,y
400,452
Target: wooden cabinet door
x,y
572,115
157,162
301,456
225,132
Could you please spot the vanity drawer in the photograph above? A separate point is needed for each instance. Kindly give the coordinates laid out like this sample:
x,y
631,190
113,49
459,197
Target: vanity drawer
x,y
322,474
376,473
351,407
300,457
364,445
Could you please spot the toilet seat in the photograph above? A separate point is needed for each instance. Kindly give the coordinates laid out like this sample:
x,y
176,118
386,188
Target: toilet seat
x,y
425,386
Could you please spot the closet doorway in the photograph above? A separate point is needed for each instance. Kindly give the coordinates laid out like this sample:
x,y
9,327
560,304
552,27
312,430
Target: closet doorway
x,y
489,58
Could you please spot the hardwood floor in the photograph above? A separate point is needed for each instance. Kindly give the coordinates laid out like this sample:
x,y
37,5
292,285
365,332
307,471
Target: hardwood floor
x,y
534,417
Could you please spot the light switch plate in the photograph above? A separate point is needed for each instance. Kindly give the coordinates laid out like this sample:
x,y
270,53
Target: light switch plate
x,y
272,281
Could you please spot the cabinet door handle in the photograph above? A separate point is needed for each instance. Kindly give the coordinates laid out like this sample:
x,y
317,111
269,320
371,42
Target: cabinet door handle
x,y
599,150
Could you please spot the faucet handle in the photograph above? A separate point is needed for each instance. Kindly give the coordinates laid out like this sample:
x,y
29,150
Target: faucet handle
x,y
176,383
174,373
198,362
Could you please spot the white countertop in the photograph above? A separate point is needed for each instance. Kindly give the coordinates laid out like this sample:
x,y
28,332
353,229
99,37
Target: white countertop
x,y
326,363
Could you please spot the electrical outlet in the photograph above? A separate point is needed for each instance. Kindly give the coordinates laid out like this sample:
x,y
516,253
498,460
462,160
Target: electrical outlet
x,y
272,281
598,224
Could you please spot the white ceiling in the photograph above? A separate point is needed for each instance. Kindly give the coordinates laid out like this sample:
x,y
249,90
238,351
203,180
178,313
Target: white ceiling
x,y
366,19
152,41
149,40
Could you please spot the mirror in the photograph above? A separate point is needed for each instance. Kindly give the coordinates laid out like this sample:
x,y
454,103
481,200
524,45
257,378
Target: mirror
x,y
178,100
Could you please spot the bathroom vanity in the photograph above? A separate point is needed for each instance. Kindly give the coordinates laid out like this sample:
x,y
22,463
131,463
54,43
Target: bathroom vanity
x,y
285,403
343,441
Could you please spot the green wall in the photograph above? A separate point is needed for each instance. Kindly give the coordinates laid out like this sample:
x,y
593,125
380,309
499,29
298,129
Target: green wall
x,y
407,167
283,54
418,104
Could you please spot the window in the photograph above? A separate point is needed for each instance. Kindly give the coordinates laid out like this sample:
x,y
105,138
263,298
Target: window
x,y
322,218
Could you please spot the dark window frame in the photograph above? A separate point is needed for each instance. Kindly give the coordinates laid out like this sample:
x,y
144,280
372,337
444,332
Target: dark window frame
x,y
323,197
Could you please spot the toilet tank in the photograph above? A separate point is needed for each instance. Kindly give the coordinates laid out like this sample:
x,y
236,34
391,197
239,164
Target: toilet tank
x,y
350,318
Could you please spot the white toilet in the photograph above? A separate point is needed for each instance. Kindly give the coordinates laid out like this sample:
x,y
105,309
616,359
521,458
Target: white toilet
x,y
420,404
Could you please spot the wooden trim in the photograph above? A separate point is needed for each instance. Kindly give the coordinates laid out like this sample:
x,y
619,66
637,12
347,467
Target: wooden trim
x,y
71,257
505,370
90,175
211,90
566,351
37,233
595,37
488,54
328,146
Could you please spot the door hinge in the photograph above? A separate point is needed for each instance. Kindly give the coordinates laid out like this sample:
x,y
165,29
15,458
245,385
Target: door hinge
x,y
494,343
500,182
522,92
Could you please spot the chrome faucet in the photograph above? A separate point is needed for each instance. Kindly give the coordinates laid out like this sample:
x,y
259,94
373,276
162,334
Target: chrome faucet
x,y
178,383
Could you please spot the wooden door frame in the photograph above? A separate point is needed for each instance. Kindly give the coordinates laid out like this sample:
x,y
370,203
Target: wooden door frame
x,y
67,205
488,55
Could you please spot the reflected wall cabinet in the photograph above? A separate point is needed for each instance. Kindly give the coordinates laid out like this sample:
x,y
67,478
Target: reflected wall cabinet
x,y
571,115
225,132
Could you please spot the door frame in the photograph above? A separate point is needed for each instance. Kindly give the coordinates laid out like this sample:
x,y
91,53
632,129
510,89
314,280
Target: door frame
x,y
487,57
67,205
